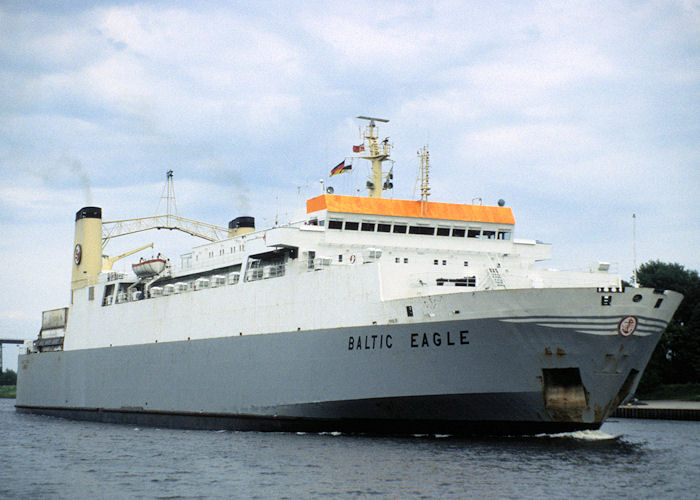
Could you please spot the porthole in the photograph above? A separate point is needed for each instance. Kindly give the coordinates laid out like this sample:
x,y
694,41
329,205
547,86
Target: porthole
x,y
637,298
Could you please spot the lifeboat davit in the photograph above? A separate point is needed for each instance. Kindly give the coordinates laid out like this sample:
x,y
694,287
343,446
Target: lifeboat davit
x,y
147,268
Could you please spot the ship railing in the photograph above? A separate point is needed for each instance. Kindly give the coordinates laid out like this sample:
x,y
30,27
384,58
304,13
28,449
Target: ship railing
x,y
320,263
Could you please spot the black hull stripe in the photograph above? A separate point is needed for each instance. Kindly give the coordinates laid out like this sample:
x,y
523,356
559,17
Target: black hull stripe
x,y
243,422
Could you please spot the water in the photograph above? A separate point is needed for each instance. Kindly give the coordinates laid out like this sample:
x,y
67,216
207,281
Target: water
x,y
44,457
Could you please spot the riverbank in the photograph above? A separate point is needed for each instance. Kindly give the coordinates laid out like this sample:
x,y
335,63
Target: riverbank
x,y
8,391
662,410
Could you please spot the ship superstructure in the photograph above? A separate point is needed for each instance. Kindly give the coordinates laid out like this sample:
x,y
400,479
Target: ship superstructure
x,y
368,315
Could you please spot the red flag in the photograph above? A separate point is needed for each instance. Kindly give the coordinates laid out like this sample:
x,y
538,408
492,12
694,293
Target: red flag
x,y
358,149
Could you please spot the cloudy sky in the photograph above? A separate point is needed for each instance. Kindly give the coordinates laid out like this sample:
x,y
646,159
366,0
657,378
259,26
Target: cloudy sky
x,y
578,114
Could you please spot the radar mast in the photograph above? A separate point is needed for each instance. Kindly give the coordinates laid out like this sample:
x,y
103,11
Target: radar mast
x,y
377,154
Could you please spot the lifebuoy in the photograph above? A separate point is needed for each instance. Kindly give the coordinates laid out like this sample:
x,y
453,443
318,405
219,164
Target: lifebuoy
x,y
352,259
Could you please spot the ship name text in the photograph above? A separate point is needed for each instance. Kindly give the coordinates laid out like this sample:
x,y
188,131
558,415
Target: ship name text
x,y
415,340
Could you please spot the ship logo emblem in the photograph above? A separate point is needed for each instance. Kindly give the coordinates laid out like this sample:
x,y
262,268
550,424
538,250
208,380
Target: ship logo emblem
x,y
627,326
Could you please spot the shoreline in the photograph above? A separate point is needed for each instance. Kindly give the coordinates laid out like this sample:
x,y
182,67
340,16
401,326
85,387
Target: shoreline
x,y
660,410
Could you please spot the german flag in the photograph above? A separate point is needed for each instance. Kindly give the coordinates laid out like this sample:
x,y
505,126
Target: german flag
x,y
340,168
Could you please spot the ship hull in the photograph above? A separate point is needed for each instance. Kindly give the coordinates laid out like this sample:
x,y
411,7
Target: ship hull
x,y
500,375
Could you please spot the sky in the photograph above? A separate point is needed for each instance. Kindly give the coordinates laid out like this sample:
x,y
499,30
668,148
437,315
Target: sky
x,y
577,114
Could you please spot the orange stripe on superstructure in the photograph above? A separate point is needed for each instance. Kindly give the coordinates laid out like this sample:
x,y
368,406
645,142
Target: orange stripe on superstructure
x,y
409,208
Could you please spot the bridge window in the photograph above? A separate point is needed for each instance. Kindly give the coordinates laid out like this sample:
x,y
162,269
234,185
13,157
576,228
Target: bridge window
x,y
400,228
474,233
489,235
351,226
426,230
368,226
443,231
383,228
458,232
335,224
503,234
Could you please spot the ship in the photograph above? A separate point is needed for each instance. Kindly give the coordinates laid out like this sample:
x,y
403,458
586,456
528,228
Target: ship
x,y
367,315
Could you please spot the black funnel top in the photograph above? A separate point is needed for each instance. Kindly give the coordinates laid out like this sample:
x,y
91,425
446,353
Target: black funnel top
x,y
239,222
88,213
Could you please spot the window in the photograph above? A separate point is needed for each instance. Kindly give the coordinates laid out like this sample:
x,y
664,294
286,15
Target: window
x,y
340,257
107,298
383,228
335,224
435,262
443,231
426,230
399,228
91,293
458,233
606,300
351,226
405,260
466,263
474,233
489,235
368,226
444,262
409,311
503,235
398,260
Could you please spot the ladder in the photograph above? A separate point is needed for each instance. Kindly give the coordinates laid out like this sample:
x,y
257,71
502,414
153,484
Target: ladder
x,y
496,277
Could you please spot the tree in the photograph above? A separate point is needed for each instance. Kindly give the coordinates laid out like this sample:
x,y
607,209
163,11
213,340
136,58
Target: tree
x,y
8,377
676,359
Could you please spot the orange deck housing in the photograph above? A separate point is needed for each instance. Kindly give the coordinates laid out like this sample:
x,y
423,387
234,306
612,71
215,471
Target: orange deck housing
x,y
410,208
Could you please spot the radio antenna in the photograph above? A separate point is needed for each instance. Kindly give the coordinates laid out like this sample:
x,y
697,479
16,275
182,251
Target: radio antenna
x,y
634,250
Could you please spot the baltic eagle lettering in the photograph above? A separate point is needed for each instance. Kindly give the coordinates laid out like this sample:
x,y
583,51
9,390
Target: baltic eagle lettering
x,y
415,340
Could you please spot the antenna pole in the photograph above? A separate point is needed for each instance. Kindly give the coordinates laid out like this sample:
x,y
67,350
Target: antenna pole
x,y
634,249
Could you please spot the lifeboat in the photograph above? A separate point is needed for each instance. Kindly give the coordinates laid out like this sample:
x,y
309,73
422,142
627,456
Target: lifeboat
x,y
148,268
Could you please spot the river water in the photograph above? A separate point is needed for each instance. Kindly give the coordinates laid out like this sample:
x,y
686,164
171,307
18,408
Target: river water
x,y
45,457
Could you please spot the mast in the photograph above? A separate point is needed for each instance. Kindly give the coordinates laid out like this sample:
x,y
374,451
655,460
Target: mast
x,y
168,196
377,154
424,156
634,249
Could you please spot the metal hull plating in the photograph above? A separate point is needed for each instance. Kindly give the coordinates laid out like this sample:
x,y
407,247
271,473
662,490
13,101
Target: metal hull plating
x,y
458,376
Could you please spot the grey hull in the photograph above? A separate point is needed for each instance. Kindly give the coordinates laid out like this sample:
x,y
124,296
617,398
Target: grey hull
x,y
454,377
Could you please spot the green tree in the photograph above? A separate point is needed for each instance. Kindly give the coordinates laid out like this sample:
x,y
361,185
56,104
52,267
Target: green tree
x,y
676,359
8,377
